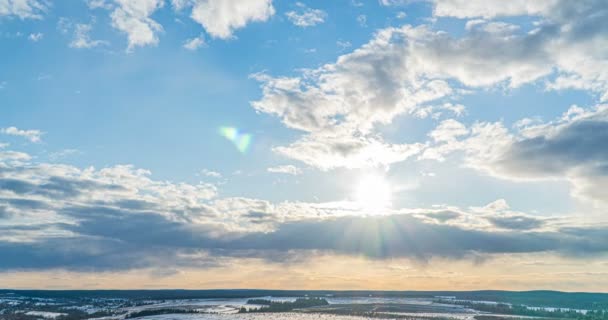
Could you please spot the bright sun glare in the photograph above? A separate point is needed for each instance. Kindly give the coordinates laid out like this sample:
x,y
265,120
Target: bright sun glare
x,y
373,194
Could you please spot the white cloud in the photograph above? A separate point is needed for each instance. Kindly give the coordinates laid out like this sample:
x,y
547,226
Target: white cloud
x,y
330,152
570,38
221,18
305,16
23,9
179,5
14,157
286,169
571,148
31,135
491,8
194,43
393,2
61,216
82,39
414,70
210,173
436,111
133,18
448,131
35,37
340,104
99,4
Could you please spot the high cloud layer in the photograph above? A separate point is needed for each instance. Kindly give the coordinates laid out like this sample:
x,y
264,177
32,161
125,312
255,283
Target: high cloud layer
x,y
410,69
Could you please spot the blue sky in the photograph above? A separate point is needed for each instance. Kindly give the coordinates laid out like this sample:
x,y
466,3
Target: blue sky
x,y
385,109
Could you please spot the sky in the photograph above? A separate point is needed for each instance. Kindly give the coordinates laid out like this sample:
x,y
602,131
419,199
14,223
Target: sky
x,y
344,144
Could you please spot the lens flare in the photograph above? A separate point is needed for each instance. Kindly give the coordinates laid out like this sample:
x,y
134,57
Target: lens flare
x,y
241,141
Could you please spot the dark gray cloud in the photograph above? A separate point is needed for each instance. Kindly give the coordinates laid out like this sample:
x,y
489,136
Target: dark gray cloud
x,y
576,150
516,222
115,240
444,216
25,204
582,143
55,186
106,226
3,212
85,254
408,236
141,228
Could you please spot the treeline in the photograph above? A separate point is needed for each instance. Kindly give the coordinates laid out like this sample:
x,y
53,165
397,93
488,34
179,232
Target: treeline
x,y
264,302
66,315
284,306
520,310
595,315
155,312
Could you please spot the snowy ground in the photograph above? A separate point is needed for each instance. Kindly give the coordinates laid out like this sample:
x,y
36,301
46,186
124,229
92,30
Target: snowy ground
x,y
46,315
265,316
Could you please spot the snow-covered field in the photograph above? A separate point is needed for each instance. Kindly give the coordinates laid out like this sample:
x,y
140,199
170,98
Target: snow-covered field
x,y
46,315
264,316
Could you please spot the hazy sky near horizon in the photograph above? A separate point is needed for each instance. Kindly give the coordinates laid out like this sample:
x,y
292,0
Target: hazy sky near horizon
x,y
344,144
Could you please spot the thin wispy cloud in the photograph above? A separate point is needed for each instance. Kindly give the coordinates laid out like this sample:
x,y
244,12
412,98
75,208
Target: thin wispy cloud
x,y
305,16
31,135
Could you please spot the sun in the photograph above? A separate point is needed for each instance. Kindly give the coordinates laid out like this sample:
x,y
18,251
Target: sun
x,y
373,194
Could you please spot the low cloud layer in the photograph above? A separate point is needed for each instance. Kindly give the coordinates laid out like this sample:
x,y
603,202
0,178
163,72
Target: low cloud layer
x,y
58,216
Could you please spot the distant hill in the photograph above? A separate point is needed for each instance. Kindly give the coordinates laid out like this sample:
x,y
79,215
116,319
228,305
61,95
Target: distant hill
x,y
541,298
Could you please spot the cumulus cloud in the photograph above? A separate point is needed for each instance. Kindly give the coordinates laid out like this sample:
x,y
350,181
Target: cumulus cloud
x,y
329,152
420,71
401,70
31,135
117,218
339,104
573,148
286,169
134,19
82,38
23,9
571,35
220,18
305,16
193,44
491,9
